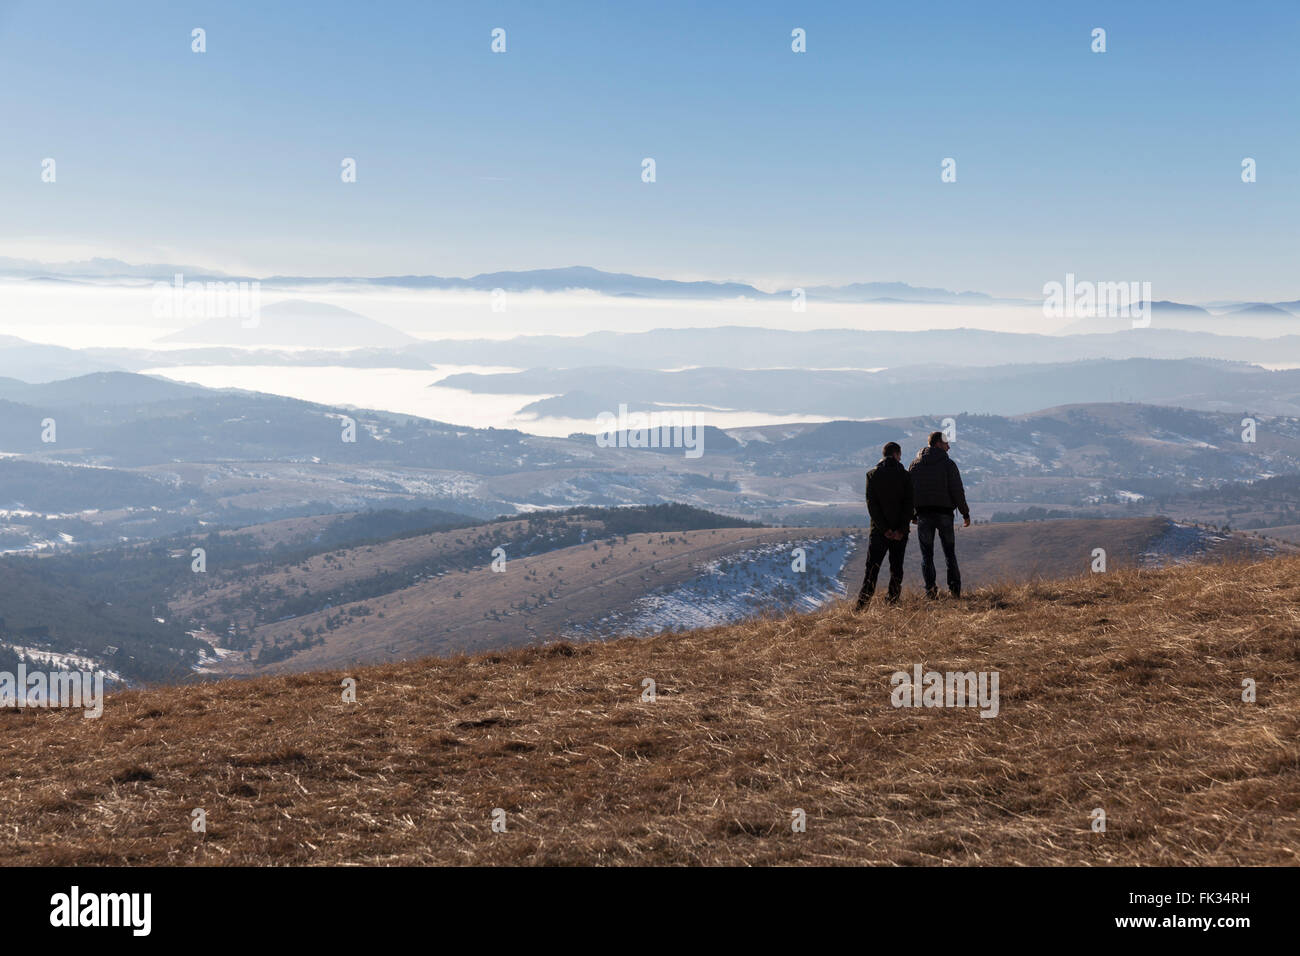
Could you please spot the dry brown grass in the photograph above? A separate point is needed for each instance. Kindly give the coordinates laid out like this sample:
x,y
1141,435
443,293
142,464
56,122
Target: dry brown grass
x,y
1120,691
560,588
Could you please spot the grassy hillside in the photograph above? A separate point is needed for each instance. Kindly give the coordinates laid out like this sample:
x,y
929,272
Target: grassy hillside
x,y
1015,552
1120,691
470,607
437,593
85,602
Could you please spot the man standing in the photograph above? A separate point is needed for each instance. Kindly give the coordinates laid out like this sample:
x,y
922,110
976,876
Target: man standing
x,y
889,502
938,490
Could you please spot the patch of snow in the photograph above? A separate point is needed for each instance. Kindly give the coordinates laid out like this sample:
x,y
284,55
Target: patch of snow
x,y
738,586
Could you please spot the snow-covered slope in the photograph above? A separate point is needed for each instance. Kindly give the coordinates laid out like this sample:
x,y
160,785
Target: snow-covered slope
x,y
739,586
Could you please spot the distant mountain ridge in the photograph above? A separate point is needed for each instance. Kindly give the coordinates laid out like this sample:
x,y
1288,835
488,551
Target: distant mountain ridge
x,y
228,455
629,285
586,392
545,280
296,322
569,278
733,346
102,268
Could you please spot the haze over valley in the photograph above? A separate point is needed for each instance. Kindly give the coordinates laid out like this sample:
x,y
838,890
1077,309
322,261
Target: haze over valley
x,y
386,459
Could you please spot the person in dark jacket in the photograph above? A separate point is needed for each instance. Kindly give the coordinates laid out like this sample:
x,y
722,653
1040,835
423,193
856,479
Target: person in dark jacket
x,y
889,502
937,489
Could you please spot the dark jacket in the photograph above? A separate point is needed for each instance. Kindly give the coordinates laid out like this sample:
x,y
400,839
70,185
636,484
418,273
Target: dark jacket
x,y
937,483
889,496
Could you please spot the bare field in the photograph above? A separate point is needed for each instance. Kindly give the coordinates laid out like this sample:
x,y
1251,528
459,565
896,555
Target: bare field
x,y
536,597
334,569
545,596
1013,552
1120,691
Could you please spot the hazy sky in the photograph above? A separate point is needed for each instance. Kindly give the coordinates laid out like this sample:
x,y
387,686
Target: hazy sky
x,y
773,167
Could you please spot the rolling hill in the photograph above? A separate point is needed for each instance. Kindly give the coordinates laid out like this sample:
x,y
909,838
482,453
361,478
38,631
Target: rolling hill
x,y
149,611
473,607
585,393
138,457
745,347
304,593
295,322
569,576
1120,692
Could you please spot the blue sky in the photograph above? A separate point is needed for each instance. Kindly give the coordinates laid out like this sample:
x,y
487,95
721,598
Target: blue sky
x,y
773,167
